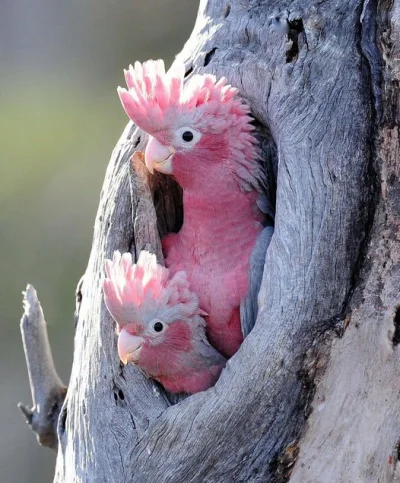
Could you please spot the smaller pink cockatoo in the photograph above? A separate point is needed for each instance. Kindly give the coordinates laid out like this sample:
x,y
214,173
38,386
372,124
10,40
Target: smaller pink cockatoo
x,y
159,323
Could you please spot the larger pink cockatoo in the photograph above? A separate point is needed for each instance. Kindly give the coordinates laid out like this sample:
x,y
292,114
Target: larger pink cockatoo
x,y
159,322
200,132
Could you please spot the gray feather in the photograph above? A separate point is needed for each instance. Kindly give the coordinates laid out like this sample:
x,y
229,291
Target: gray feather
x,y
249,308
268,172
266,185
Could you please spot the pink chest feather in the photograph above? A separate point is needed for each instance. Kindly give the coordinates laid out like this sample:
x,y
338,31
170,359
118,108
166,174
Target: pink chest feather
x,y
214,248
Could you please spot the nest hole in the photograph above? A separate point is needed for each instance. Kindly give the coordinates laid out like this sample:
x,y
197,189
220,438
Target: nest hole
x,y
396,321
296,29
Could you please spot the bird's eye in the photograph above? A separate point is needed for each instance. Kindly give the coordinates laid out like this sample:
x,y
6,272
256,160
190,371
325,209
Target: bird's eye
x,y
187,136
158,326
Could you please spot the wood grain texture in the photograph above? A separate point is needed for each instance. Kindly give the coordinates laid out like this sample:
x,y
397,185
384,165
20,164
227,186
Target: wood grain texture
x,y
108,407
302,69
353,432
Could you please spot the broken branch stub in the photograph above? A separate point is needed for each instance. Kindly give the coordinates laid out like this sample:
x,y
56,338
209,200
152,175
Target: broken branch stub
x,y
48,392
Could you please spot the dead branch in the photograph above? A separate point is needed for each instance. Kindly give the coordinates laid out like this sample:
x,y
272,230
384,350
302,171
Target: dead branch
x,y
48,392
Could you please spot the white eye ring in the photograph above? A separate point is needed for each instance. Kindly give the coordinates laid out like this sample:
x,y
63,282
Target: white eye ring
x,y
187,137
158,325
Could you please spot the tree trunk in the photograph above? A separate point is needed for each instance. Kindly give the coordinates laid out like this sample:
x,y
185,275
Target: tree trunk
x,y
313,394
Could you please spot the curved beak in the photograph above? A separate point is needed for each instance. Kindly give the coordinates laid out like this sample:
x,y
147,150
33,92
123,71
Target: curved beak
x,y
158,157
129,347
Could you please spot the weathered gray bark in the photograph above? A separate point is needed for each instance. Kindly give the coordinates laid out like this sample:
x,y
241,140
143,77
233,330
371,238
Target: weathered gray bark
x,y
323,343
353,433
48,392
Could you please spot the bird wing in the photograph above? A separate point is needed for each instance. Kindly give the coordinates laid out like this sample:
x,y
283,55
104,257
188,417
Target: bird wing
x,y
268,171
249,307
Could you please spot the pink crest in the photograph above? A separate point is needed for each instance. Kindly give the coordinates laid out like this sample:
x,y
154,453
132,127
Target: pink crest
x,y
136,292
155,98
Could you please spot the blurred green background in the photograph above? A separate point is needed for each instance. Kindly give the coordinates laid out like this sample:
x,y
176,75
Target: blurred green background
x,y
60,117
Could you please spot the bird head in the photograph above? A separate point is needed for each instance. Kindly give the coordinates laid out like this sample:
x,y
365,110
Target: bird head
x,y
158,318
192,126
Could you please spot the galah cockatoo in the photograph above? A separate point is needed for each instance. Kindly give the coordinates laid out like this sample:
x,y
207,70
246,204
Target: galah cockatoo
x,y
200,132
159,323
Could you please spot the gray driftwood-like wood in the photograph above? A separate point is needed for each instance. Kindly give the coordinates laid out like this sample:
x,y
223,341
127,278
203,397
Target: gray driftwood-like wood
x,y
48,392
353,433
317,378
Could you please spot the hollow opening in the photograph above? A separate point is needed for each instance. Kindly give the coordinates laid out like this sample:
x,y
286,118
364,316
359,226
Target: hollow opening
x,y
396,321
167,199
296,28
62,421
227,11
136,144
188,72
209,56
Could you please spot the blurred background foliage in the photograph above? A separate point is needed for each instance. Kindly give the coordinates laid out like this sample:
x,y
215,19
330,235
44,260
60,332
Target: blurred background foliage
x,y
60,64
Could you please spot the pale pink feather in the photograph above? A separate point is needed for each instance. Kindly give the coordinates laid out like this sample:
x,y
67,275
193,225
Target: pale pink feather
x,y
158,101
132,290
154,98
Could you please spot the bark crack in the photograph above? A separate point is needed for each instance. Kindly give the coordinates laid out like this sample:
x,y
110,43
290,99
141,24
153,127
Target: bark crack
x,y
396,321
371,62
